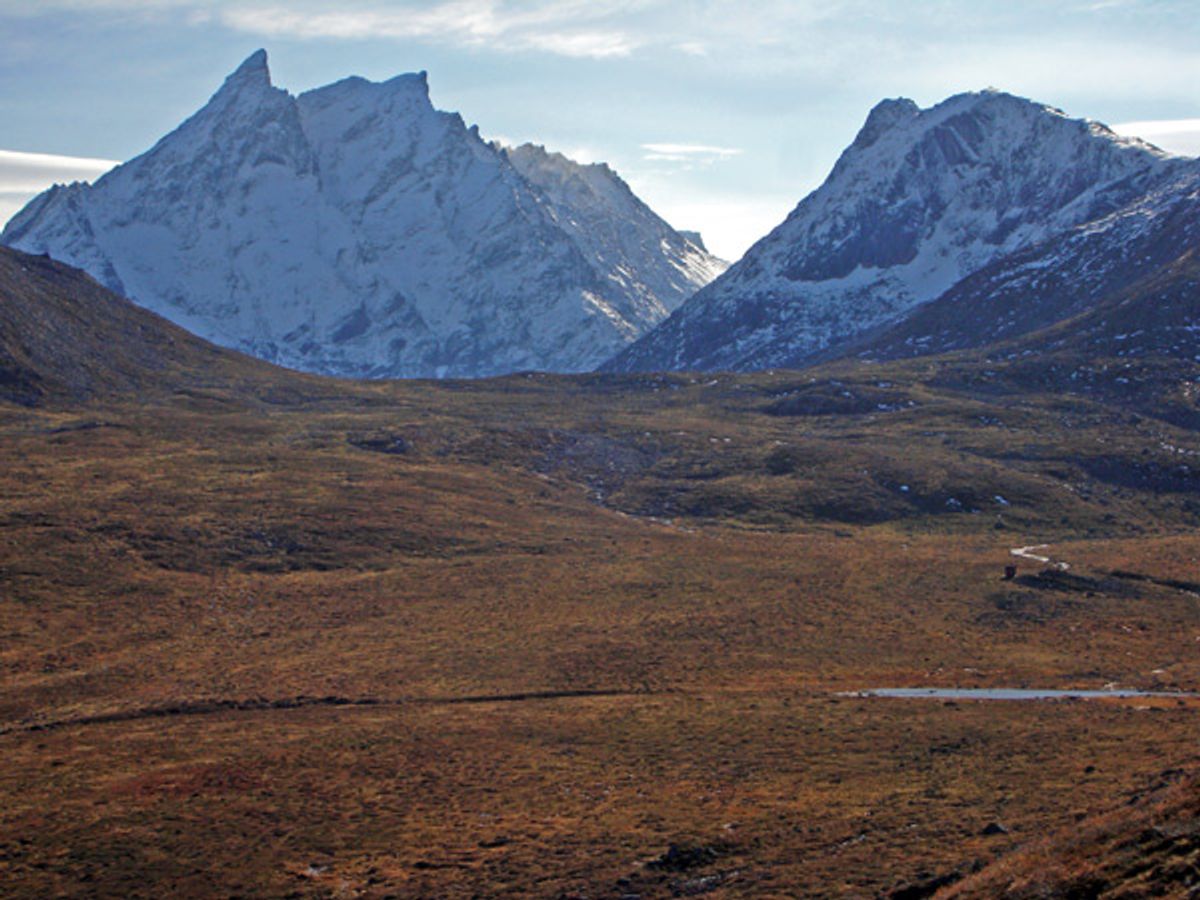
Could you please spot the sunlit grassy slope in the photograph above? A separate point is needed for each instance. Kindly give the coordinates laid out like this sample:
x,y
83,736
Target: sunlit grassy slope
x,y
271,635
1147,845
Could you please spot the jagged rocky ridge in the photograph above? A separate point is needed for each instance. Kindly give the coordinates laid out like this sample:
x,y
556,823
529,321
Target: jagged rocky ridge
x,y
355,230
921,200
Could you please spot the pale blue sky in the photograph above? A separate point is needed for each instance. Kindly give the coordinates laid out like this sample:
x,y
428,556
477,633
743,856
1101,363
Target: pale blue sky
x,y
721,114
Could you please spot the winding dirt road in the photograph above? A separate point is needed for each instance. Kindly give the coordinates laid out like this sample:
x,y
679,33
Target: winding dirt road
x,y
1027,553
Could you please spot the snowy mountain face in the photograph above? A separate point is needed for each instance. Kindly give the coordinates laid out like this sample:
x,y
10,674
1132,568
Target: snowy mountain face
x,y
355,230
1127,284
921,199
614,228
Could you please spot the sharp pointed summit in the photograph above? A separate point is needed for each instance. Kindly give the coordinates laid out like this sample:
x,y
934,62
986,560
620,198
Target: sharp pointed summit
x,y
254,65
356,230
252,74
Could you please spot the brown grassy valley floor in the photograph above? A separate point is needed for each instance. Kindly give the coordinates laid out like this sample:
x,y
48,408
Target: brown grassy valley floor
x,y
520,637
270,635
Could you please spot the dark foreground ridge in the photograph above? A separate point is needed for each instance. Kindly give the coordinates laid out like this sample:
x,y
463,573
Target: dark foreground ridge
x,y
209,707
64,338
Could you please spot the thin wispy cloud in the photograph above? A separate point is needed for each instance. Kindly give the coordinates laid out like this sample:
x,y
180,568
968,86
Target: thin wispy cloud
x,y
37,171
1180,136
587,44
25,8
600,29
565,28
608,29
688,153
562,29
692,149
24,175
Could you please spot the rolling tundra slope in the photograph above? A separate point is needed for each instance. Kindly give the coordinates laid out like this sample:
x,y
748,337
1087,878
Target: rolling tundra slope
x,y
272,634
64,338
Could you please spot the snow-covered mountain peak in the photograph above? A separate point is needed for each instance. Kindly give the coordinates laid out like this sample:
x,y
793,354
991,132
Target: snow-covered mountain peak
x,y
414,81
530,154
921,198
364,126
245,121
605,218
598,184
978,128
253,67
357,230
249,80
979,168
405,93
537,154
555,172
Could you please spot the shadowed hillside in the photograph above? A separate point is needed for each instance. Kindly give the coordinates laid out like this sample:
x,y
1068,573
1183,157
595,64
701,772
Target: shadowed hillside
x,y
1149,846
64,337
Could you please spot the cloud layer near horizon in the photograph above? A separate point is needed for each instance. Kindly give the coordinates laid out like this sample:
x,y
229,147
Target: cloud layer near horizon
x,y
1180,136
25,175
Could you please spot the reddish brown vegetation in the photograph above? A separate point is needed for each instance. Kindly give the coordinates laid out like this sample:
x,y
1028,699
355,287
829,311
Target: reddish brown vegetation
x,y
240,623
